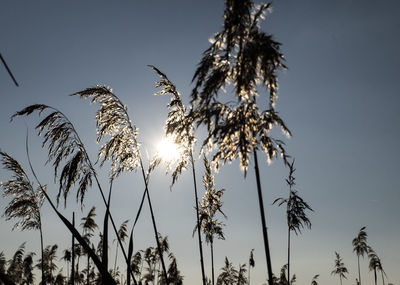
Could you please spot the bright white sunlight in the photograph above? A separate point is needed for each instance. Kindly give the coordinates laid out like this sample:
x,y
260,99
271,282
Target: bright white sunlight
x,y
167,150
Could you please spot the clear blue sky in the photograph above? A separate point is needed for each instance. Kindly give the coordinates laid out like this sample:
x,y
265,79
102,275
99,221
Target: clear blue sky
x,y
339,98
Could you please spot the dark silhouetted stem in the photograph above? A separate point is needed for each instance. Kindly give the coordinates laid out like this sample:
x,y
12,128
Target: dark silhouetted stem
x,y
42,250
198,220
103,271
116,255
248,280
359,272
11,75
105,230
40,217
288,257
88,270
154,223
112,221
73,252
212,262
263,222
99,187
156,237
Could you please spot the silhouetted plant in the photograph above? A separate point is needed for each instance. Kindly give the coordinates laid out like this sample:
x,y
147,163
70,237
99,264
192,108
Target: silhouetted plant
x,y
122,148
252,263
49,265
116,274
179,126
241,276
228,275
2,262
164,244
244,58
210,205
283,280
89,225
137,264
60,279
18,170
15,270
360,247
296,216
123,234
26,202
340,269
383,273
129,267
78,253
28,269
375,265
314,280
67,255
174,274
150,257
64,144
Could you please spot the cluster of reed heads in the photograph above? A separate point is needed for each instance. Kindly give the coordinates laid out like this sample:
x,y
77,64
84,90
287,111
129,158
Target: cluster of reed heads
x,y
242,61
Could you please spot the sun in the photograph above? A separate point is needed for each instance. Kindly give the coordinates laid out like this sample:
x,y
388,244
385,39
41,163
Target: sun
x,y
168,150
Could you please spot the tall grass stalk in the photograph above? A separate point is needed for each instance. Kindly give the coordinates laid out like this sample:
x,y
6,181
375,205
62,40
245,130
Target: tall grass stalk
x,y
123,148
241,60
64,142
179,126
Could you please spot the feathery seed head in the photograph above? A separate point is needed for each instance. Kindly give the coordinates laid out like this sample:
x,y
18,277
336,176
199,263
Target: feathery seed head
x,y
112,120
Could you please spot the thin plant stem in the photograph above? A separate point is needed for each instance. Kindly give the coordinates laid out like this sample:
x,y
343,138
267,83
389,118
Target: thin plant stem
x,y
263,222
42,250
198,219
105,230
99,187
288,258
116,255
359,272
73,252
212,262
106,276
11,75
40,219
154,222
88,270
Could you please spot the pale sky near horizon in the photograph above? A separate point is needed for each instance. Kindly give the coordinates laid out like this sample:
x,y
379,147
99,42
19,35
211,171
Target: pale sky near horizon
x,y
339,97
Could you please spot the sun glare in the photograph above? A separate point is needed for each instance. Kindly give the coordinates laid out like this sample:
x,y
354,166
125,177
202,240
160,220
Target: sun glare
x,y
168,150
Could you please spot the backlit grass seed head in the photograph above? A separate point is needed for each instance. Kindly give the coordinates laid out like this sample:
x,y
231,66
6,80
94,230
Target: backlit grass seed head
x,y
112,121
247,59
178,126
25,201
64,145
